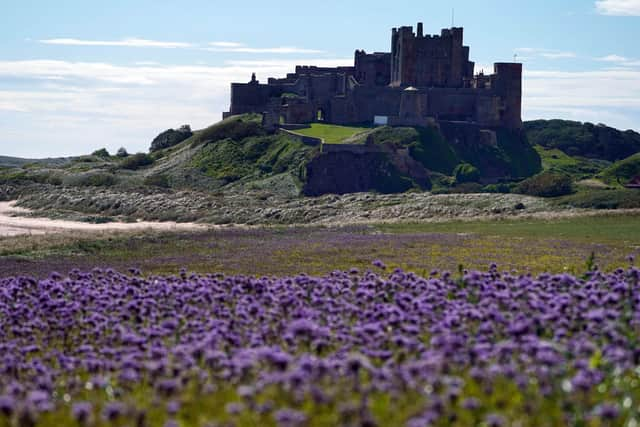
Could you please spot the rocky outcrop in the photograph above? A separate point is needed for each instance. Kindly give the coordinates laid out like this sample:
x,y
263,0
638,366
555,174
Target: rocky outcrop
x,y
170,137
348,172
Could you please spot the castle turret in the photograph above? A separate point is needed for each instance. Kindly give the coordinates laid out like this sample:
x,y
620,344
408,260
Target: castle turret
x,y
508,85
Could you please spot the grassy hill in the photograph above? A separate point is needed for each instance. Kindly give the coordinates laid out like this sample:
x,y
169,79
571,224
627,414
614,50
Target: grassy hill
x,y
511,156
583,139
238,154
577,167
623,171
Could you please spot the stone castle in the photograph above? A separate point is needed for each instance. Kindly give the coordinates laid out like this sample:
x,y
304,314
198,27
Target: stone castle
x,y
426,79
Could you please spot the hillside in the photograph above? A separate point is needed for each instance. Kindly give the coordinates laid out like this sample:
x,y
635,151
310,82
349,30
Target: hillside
x,y
238,157
623,171
238,154
510,155
13,162
583,139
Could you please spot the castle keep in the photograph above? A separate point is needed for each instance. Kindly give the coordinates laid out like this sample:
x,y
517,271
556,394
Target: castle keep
x,y
425,79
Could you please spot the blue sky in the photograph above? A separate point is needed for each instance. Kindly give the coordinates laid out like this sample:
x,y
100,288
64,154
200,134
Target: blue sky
x,y
77,75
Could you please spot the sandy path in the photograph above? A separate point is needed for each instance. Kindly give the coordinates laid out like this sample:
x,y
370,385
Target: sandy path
x,y
11,225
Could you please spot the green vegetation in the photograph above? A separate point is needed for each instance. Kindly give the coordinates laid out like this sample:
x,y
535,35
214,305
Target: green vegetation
x,y
602,199
465,172
101,153
555,160
90,179
597,229
622,171
136,161
513,154
332,134
540,245
256,156
235,128
583,139
546,184
160,180
518,153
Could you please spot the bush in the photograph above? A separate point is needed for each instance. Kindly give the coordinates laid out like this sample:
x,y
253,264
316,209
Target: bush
x,y
170,138
603,199
465,172
122,152
546,184
157,181
98,179
103,153
497,188
136,161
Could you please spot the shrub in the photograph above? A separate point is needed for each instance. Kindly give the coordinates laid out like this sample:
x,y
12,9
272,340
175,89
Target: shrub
x,y
466,188
501,187
170,137
136,161
103,153
157,181
122,152
465,172
546,184
97,179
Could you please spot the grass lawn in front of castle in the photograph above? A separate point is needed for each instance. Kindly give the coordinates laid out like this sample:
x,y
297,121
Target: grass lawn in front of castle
x,y
332,134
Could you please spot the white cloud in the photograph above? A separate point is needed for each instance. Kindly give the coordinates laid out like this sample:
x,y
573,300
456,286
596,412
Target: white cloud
x,y
219,46
226,44
620,61
613,58
89,105
70,108
232,47
129,42
618,7
609,96
531,52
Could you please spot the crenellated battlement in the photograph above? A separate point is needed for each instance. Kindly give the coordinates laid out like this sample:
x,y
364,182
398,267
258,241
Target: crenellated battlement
x,y
425,78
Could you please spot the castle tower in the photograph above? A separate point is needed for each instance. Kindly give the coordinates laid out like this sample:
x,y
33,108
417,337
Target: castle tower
x,y
508,85
429,61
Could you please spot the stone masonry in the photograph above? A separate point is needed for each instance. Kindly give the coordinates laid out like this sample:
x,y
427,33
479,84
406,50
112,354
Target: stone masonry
x,y
423,80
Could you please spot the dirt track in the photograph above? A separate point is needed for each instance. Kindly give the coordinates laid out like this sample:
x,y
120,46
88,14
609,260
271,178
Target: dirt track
x,y
11,224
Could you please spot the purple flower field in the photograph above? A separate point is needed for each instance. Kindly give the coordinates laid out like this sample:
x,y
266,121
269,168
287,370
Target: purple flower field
x,y
354,348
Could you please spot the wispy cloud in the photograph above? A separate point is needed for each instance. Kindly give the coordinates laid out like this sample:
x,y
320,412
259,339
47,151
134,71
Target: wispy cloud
x,y
226,44
234,47
219,46
129,42
618,7
529,52
613,58
621,61
119,105
608,96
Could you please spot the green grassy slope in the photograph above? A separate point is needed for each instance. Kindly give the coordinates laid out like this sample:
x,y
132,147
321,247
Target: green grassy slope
x,y
427,145
622,171
583,139
332,134
556,160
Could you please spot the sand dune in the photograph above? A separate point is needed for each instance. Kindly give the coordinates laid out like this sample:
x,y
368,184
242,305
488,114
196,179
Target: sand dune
x,y
14,223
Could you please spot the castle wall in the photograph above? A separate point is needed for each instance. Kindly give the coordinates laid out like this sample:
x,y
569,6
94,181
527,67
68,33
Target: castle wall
x,y
249,98
372,69
429,61
508,85
435,69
